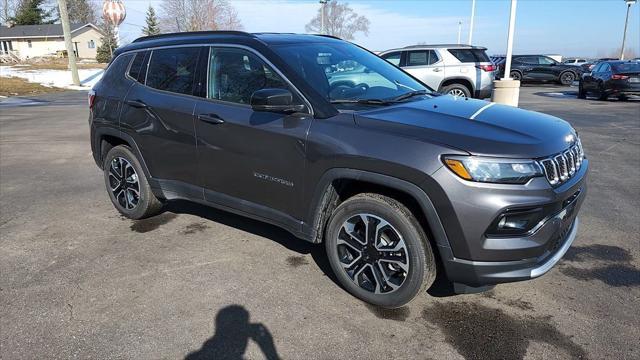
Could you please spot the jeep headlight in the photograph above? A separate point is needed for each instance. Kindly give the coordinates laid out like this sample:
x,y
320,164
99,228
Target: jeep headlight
x,y
493,170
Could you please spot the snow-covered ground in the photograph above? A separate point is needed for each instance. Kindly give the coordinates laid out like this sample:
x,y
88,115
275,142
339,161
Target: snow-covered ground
x,y
55,78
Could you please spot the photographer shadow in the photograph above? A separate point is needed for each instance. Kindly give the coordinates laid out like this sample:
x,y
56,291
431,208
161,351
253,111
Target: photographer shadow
x,y
231,337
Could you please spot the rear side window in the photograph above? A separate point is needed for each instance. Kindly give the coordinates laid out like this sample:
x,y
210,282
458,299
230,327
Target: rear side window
x,y
470,55
627,67
173,69
138,67
393,58
422,57
115,71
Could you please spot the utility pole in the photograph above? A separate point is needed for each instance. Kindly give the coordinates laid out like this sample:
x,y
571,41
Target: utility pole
x,y
473,12
626,21
323,4
66,30
459,31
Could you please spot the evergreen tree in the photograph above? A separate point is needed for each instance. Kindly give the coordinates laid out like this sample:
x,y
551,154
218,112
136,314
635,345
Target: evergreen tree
x,y
104,52
31,12
152,28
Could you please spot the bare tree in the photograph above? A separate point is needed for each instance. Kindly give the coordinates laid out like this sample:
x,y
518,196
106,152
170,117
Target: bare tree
x,y
339,20
198,15
8,10
83,11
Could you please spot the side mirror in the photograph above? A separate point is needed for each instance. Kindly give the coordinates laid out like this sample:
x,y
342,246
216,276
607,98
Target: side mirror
x,y
274,100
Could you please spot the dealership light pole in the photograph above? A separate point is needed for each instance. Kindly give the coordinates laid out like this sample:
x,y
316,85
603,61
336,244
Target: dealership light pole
x,y
506,90
473,12
459,31
626,21
323,3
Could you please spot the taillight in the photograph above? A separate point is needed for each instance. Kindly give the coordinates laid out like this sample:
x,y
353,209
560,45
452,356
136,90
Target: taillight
x,y
91,98
619,77
487,67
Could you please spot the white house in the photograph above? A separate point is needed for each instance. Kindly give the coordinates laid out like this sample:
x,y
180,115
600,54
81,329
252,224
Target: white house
x,y
29,41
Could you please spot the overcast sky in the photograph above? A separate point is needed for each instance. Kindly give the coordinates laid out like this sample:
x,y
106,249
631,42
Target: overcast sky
x,y
567,27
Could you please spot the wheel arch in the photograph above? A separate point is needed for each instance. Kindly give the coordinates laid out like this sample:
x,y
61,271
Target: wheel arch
x,y
338,184
458,80
107,138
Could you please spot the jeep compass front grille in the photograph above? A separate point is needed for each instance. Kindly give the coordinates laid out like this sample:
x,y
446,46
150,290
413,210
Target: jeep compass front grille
x,y
561,167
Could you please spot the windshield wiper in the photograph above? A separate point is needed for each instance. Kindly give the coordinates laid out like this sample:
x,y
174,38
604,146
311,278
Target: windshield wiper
x,y
410,94
360,101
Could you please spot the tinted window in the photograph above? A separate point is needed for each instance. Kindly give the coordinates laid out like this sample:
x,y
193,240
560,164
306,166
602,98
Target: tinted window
x,y
527,59
115,71
235,74
597,68
393,58
626,67
136,69
543,60
173,69
424,57
470,55
605,67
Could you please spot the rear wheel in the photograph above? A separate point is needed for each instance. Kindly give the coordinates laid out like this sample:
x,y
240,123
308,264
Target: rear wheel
x,y
378,250
567,78
127,185
458,90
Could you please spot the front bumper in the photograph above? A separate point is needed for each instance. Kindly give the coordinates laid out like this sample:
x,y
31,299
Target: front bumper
x,y
475,259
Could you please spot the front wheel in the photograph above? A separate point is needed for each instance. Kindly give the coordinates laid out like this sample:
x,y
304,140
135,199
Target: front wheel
x,y
581,93
378,250
127,185
515,75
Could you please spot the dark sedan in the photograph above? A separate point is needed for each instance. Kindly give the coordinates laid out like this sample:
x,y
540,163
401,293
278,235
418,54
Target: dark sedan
x,y
539,68
620,78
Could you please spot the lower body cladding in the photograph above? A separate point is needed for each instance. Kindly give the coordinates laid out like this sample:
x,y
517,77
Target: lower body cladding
x,y
478,259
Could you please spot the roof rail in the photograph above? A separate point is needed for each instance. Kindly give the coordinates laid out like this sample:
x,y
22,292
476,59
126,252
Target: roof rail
x,y
191,33
442,46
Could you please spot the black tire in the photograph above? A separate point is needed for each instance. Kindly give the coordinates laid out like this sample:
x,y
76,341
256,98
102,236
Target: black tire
x,y
566,78
581,93
417,252
515,75
456,90
123,196
602,94
623,97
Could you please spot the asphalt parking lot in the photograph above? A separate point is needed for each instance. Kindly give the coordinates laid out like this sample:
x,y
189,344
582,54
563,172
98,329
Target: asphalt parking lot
x,y
79,281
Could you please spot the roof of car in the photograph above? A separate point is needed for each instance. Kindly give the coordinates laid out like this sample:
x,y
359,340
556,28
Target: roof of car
x,y
235,37
436,46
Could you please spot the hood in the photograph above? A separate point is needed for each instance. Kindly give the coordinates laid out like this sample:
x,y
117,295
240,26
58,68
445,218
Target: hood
x,y
475,126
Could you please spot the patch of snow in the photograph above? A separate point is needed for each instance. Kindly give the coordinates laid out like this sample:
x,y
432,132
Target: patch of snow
x,y
54,78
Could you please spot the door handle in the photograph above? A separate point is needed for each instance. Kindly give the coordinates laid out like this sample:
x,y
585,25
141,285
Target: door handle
x,y
137,104
211,118
437,70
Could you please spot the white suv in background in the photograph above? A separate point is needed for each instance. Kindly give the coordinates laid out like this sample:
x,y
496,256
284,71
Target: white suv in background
x,y
459,70
575,62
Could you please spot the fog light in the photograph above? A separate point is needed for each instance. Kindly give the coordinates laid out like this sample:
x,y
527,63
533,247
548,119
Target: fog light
x,y
516,222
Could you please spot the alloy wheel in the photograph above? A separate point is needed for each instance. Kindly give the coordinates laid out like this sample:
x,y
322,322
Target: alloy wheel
x,y
373,253
567,78
124,183
457,92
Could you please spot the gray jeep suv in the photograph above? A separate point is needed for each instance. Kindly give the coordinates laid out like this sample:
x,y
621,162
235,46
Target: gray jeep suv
x,y
327,140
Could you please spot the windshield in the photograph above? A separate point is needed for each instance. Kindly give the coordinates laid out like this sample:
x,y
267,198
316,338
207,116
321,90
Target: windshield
x,y
345,72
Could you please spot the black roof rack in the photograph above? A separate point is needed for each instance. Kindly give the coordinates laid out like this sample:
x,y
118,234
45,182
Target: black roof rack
x,y
328,36
444,46
191,33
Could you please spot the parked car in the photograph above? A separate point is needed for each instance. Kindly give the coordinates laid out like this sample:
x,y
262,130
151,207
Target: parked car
x,y
575,61
392,177
539,68
618,78
459,70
